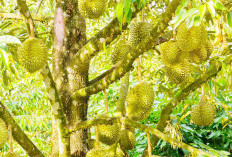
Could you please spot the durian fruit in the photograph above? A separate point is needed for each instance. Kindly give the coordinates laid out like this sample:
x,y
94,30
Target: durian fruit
x,y
180,72
203,114
108,134
9,154
190,39
170,52
138,31
33,54
120,52
209,48
139,101
127,138
92,9
108,151
93,143
3,133
199,55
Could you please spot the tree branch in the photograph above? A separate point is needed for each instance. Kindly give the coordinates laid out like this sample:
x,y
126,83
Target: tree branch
x,y
18,133
165,115
19,17
94,44
126,64
141,127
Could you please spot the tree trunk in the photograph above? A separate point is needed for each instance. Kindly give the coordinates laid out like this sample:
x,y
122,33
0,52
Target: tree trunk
x,y
69,37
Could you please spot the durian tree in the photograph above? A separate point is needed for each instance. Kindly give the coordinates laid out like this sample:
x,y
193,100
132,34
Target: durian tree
x,y
177,32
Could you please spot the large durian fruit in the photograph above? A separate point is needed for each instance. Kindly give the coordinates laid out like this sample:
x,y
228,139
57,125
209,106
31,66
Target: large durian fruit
x,y
127,138
190,39
33,54
170,52
92,9
92,143
204,113
9,154
108,134
120,52
138,31
179,72
139,101
3,133
108,151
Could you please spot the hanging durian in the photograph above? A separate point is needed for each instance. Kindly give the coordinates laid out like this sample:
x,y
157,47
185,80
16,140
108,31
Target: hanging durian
x,y
139,101
92,9
33,54
108,151
190,39
199,55
120,52
3,133
127,138
170,52
204,113
108,134
138,31
180,72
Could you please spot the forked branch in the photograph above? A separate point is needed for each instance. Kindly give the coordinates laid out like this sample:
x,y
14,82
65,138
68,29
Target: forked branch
x,y
18,133
125,65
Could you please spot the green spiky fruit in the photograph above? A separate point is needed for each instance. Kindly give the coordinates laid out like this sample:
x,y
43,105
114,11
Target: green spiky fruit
x,y
92,9
120,52
180,72
199,55
108,151
92,143
138,31
209,48
108,134
3,133
127,140
170,52
139,101
190,39
203,114
9,154
33,54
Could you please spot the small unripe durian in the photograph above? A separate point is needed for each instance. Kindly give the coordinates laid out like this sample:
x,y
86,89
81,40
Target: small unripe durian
x,y
127,140
92,9
180,72
139,101
108,134
138,31
33,54
120,52
3,133
170,52
203,114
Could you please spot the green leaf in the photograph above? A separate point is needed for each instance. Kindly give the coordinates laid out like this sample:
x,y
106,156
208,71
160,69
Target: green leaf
x,y
119,13
229,19
128,16
127,6
9,39
202,10
211,8
220,6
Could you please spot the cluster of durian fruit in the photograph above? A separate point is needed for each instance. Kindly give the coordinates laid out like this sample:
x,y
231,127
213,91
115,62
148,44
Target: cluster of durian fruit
x,y
92,9
139,104
191,46
32,54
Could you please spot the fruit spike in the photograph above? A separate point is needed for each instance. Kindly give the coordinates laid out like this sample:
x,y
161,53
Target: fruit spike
x,y
92,9
33,54
203,114
139,101
3,133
